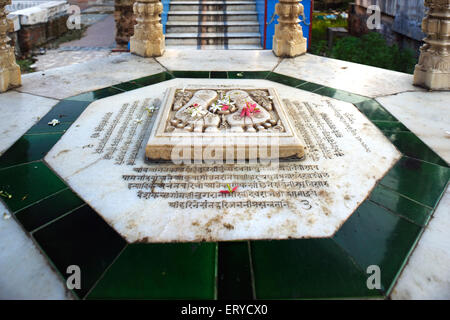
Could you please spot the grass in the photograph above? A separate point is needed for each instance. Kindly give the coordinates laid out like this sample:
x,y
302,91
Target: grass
x,y
370,49
25,65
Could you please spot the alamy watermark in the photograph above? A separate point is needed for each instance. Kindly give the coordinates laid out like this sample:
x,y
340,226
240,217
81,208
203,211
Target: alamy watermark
x,y
74,20
374,280
74,280
374,20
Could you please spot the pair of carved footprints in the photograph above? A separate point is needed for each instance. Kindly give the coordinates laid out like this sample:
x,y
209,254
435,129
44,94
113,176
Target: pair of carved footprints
x,y
205,121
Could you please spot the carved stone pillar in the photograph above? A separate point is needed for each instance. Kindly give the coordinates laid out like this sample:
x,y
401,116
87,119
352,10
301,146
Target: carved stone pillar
x,y
148,39
9,70
288,40
433,69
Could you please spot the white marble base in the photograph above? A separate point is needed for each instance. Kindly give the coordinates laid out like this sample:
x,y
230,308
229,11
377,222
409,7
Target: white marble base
x,y
19,111
427,274
25,273
219,60
352,77
64,82
427,115
158,202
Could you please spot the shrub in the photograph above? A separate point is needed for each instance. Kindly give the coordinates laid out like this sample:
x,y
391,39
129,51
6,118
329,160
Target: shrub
x,y
373,50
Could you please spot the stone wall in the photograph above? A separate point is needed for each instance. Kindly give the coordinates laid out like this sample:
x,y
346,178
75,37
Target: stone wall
x,y
36,23
400,21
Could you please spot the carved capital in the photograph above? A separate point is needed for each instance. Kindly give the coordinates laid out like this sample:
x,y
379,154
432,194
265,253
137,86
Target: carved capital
x,y
433,69
148,39
9,70
288,39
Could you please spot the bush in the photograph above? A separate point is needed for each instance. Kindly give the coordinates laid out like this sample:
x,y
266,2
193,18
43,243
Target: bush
x,y
372,50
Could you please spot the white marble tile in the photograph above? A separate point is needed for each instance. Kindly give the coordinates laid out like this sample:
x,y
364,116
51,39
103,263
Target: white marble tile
x,y
71,80
356,78
219,60
24,272
427,114
19,111
101,157
427,274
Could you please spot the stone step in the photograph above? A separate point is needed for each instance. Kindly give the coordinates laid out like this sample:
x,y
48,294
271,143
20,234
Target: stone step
x,y
212,26
216,47
213,38
212,1
212,16
212,6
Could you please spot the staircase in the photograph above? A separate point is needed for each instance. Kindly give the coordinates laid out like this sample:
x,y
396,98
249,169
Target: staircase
x,y
212,24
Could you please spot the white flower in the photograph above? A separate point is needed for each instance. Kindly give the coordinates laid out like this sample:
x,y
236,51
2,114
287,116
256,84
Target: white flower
x,y
215,107
54,122
196,113
6,216
138,121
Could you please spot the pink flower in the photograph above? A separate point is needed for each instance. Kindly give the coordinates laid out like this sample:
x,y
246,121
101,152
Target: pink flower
x,y
229,189
225,107
249,109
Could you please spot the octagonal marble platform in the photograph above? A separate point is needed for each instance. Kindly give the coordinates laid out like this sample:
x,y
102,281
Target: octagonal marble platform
x,y
101,157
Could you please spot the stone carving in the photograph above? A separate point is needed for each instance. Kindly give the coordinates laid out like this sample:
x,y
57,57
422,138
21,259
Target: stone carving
x,y
9,70
148,39
288,40
220,110
227,117
433,69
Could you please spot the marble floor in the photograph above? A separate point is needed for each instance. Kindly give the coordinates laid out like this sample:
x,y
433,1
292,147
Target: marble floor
x,y
413,246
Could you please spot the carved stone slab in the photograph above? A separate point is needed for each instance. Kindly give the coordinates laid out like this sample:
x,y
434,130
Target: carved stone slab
x,y
219,123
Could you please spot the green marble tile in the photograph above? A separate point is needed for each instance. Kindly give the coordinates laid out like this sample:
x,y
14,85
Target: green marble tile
x,y
410,145
191,74
160,271
400,205
374,111
420,181
66,111
96,94
127,86
289,81
27,184
234,274
46,128
248,74
391,126
374,236
306,269
311,87
28,148
341,95
84,239
218,75
48,209
153,79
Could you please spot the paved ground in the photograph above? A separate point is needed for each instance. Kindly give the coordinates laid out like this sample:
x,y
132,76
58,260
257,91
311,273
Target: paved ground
x,y
97,42
100,34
